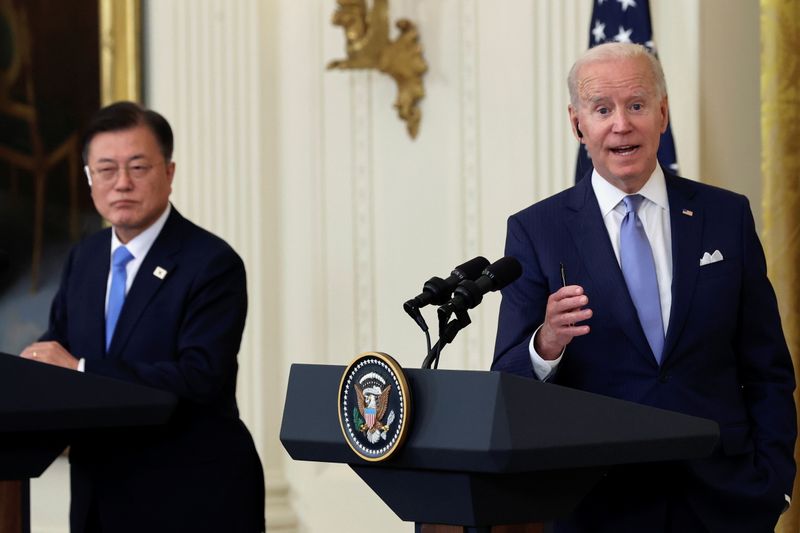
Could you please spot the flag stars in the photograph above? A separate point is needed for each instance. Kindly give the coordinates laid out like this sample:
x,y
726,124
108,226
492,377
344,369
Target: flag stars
x,y
599,31
625,4
624,36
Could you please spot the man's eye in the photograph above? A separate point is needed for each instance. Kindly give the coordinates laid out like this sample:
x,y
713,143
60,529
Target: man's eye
x,y
637,107
107,172
138,171
602,110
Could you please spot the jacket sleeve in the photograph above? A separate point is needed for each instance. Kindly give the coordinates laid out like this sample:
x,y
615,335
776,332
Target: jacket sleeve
x,y
522,307
57,323
766,371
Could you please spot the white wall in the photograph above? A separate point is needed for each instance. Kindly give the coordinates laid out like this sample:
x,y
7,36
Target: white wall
x,y
730,111
340,217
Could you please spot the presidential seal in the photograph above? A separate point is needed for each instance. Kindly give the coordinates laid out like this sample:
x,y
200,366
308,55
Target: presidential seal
x,y
374,406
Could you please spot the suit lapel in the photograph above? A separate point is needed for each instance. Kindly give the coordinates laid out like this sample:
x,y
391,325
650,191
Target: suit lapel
x,y
147,283
609,291
686,223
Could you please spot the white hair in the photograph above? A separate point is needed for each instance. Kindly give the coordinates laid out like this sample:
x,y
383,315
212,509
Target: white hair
x,y
615,52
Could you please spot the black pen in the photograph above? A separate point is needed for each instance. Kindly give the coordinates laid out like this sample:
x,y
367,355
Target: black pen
x,y
564,279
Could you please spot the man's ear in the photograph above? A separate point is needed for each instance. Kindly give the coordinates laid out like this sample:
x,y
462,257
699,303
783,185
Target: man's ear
x,y
170,172
573,119
664,110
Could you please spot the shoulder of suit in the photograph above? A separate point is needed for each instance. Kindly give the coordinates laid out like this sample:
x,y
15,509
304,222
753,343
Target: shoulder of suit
x,y
92,244
194,237
705,191
547,206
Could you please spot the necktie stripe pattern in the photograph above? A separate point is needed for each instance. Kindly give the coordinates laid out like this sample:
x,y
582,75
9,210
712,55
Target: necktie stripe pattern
x,y
116,294
639,270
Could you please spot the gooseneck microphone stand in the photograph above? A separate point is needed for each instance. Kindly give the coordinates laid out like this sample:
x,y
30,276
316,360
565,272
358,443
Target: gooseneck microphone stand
x,y
448,329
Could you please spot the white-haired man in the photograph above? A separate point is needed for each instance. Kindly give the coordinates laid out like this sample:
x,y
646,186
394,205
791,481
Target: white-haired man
x,y
667,303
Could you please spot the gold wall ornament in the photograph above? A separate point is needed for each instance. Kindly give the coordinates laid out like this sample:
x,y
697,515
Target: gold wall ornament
x,y
120,51
369,47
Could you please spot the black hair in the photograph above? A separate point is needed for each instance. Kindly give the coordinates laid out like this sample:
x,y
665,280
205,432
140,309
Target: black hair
x,y
121,116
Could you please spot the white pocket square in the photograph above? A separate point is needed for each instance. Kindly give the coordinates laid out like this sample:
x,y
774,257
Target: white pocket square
x,y
708,258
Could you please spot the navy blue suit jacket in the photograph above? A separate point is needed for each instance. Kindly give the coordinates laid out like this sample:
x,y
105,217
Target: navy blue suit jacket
x,y
180,334
725,357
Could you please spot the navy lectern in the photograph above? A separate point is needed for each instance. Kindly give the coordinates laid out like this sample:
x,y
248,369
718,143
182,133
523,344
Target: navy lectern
x,y
487,448
43,407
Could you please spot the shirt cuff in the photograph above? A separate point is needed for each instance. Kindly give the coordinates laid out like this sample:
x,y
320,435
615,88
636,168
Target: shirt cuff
x,y
543,368
81,365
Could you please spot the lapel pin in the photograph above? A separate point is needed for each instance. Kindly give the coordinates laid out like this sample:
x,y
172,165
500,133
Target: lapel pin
x,y
687,212
160,273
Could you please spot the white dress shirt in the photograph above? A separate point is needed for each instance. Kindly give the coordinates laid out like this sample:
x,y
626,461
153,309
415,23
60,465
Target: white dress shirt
x,y
654,214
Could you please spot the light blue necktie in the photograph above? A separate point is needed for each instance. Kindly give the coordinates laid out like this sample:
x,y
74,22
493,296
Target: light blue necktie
x,y
116,294
639,269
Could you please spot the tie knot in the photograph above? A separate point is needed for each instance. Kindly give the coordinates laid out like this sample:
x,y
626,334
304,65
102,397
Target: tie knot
x,y
632,202
121,257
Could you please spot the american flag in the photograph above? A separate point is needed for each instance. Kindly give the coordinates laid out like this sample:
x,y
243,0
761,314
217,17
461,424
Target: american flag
x,y
626,21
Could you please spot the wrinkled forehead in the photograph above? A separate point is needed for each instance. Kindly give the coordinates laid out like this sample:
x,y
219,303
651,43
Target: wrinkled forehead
x,y
629,77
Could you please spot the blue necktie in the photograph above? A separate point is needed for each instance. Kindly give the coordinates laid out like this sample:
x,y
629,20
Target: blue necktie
x,y
116,294
639,269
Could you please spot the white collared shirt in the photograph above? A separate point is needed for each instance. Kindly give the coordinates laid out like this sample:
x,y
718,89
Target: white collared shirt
x,y
138,247
654,214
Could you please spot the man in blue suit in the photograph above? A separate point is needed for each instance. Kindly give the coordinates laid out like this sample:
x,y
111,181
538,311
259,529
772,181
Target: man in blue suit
x,y
648,287
159,301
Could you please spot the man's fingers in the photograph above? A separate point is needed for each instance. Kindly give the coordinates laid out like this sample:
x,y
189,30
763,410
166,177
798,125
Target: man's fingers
x,y
567,298
576,331
568,292
568,304
565,310
50,352
572,317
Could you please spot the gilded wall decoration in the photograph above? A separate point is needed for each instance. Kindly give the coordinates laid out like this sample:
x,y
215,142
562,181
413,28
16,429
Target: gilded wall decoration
x,y
369,47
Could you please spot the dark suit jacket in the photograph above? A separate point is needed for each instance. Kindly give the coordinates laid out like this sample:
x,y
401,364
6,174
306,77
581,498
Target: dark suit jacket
x,y
725,357
180,334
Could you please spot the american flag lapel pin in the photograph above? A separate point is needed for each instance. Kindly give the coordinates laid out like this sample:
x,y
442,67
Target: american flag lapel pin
x,y
160,273
688,213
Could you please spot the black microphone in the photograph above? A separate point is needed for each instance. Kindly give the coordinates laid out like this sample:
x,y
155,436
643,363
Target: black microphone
x,y
438,291
470,293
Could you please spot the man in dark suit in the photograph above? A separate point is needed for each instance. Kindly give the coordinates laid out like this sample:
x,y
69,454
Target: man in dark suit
x,y
159,301
648,287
